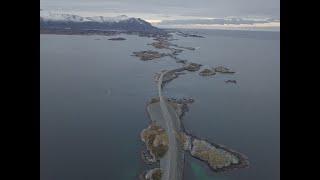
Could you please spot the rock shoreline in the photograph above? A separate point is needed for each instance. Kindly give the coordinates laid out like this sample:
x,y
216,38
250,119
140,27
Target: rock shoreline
x,y
243,161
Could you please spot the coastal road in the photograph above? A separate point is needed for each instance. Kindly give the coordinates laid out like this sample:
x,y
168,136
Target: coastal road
x,y
170,172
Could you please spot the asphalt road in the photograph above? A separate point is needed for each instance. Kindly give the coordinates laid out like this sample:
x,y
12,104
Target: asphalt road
x,y
170,173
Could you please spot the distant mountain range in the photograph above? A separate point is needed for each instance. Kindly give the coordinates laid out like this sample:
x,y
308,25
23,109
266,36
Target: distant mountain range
x,y
50,20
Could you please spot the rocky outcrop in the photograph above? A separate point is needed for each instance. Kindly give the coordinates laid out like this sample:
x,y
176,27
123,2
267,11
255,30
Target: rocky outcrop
x,y
222,69
185,141
148,159
181,105
183,47
169,76
148,55
188,35
117,39
231,81
207,72
193,67
162,44
178,60
218,157
153,174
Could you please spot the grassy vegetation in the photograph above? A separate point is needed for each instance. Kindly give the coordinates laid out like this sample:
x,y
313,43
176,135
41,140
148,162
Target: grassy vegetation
x,y
156,140
207,71
193,67
213,157
147,55
159,45
154,100
157,174
222,69
159,151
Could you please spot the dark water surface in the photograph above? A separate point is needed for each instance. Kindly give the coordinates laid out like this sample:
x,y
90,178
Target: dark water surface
x,y
93,96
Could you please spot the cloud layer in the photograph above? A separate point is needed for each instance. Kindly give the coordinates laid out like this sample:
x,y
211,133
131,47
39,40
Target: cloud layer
x,y
221,21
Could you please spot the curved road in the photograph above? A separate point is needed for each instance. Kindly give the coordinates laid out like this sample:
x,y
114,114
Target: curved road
x,y
171,170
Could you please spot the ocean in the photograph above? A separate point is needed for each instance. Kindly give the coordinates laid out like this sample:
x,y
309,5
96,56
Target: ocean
x,y
93,95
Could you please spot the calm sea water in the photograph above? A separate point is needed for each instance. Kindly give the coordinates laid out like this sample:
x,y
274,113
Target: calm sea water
x,y
93,96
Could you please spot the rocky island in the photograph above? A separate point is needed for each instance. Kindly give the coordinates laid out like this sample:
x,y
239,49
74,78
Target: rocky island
x,y
161,44
218,157
231,81
117,39
148,55
207,72
222,69
193,67
189,35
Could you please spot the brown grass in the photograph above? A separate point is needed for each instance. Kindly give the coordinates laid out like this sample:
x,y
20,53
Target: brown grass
x,y
157,175
156,140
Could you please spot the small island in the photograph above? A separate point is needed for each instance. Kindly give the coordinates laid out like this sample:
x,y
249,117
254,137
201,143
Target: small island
x,y
188,35
207,72
193,67
160,44
222,69
231,81
148,55
117,39
218,157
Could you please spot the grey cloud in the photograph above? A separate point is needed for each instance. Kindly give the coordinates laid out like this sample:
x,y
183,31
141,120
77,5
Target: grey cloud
x,y
235,21
199,8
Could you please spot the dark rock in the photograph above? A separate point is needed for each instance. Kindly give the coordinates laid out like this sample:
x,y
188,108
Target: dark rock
x,y
117,39
231,81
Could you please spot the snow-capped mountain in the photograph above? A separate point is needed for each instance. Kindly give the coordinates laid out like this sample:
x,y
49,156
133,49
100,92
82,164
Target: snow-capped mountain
x,y
123,22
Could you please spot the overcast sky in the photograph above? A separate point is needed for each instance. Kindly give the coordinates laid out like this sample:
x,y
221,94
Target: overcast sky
x,y
158,10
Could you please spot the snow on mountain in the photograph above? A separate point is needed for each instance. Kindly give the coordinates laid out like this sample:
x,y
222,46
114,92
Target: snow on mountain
x,y
62,20
50,16
107,19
